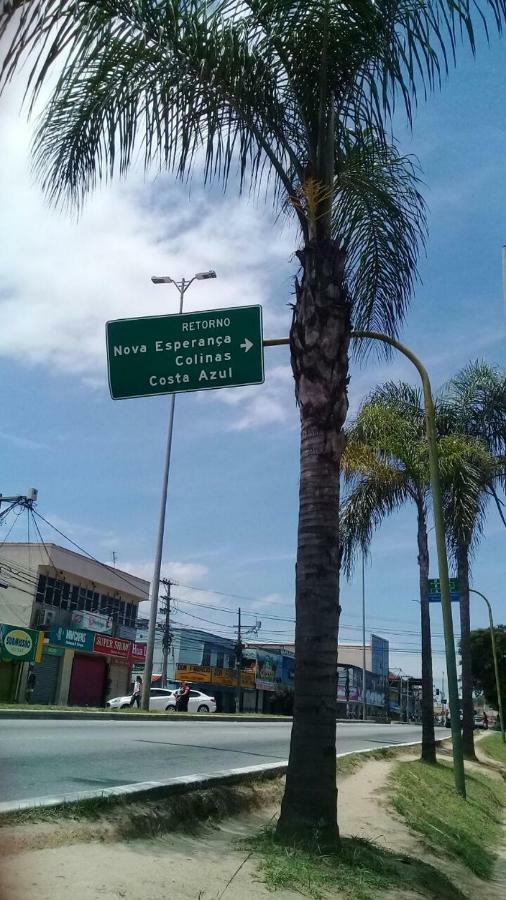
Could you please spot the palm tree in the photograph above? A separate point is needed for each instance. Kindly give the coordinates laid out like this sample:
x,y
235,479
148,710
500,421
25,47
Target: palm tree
x,y
298,95
474,402
386,465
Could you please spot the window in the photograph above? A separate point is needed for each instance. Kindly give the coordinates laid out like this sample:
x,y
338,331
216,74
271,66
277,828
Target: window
x,y
74,600
41,588
206,656
220,659
195,694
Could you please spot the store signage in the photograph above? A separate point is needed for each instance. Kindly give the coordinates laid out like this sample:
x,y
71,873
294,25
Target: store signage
x,y
187,352
20,644
47,650
138,653
192,673
75,638
92,621
229,678
214,675
111,646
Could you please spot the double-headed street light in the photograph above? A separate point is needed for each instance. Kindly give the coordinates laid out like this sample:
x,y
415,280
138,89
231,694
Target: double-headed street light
x,y
182,286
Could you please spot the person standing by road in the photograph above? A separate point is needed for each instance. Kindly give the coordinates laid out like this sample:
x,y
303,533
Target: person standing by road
x,y
183,695
137,692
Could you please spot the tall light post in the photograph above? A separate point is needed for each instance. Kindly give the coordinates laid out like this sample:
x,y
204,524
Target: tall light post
x,y
494,654
182,286
364,700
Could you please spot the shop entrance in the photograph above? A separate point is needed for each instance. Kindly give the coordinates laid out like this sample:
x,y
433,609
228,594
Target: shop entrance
x,y
87,682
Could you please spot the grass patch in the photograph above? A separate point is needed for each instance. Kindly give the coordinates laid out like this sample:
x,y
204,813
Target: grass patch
x,y
358,870
468,830
493,746
129,817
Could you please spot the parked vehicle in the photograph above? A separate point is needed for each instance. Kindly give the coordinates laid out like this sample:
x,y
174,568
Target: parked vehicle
x,y
158,699
165,699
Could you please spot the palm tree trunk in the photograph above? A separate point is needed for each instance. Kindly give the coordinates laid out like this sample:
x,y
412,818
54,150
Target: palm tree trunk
x,y
319,341
465,652
428,736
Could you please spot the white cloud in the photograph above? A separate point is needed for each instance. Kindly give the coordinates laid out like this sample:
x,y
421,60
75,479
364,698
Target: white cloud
x,y
271,404
62,279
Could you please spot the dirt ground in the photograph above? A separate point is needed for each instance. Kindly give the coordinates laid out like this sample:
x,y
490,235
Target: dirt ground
x,y
60,862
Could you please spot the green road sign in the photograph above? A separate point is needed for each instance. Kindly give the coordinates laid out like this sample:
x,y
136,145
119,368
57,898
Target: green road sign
x,y
434,586
188,352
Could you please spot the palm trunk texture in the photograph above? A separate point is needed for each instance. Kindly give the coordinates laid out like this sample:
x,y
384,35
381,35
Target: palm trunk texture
x,y
319,340
428,736
465,652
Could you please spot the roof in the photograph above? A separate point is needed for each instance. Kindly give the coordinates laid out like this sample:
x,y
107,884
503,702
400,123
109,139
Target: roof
x,y
61,559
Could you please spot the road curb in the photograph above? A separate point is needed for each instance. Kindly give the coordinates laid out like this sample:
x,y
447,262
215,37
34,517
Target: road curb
x,y
182,784
160,717
135,717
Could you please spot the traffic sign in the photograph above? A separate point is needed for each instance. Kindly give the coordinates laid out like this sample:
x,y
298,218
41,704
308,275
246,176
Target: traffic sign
x,y
435,590
187,352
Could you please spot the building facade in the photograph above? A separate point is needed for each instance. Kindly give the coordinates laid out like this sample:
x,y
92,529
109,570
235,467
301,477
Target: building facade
x,y
87,612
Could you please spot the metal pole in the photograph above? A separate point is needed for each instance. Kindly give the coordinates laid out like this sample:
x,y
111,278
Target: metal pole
x,y
496,664
364,702
451,661
446,606
238,663
155,584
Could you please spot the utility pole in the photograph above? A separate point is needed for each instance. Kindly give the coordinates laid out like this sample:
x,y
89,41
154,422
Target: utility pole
x,y
238,661
182,286
167,637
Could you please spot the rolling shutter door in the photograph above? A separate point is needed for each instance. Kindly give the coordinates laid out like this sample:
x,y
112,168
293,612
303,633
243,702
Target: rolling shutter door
x,y
46,675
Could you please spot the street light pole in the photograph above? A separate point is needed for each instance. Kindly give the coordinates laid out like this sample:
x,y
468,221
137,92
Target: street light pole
x,y
451,661
182,286
494,654
364,702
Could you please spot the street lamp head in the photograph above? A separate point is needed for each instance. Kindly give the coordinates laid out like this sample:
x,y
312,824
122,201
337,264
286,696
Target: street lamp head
x,y
161,279
202,276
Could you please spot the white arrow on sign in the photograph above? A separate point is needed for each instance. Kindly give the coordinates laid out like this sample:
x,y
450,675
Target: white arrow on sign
x,y
246,345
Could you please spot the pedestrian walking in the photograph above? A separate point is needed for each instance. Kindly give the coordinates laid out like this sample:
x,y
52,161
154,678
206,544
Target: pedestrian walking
x,y
183,695
136,693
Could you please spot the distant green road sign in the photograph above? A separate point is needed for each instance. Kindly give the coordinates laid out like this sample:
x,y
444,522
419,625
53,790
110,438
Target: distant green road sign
x,y
435,590
188,352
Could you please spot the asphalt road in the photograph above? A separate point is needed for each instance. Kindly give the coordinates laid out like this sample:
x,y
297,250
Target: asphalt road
x,y
43,758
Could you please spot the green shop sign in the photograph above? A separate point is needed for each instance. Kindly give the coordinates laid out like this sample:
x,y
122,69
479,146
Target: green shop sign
x,y
76,638
20,644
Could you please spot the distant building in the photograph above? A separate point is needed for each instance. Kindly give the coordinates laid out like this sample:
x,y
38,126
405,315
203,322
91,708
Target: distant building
x,y
87,612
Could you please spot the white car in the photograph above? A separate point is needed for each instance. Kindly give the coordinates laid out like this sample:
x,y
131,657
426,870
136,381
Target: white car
x,y
165,699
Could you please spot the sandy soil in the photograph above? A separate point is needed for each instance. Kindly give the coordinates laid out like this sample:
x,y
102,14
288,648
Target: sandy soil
x,y
60,862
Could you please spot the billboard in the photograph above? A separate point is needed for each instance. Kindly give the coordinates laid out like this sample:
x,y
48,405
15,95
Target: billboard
x,y
380,656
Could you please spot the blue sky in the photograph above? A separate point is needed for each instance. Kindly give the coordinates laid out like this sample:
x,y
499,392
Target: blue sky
x,y
232,512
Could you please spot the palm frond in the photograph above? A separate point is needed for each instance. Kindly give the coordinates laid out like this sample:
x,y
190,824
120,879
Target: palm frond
x,y
372,498
379,216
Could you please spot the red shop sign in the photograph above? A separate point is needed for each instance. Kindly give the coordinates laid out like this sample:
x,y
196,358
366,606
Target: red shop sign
x,y
138,652
112,646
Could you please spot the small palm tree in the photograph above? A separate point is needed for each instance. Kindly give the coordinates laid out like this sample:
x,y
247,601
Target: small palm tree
x,y
386,465
473,402
296,95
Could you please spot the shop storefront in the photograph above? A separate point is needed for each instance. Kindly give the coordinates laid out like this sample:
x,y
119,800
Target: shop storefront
x,y
80,667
